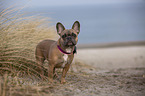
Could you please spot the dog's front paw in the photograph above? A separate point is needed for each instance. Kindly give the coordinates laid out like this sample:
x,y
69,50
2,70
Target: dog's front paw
x,y
63,81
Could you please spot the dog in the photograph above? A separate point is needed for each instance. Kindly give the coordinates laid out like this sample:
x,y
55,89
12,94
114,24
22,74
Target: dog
x,y
59,53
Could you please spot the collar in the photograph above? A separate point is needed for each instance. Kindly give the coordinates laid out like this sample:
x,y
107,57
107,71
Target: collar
x,y
64,52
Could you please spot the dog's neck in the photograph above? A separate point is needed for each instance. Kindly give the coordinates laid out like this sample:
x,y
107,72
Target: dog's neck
x,y
63,49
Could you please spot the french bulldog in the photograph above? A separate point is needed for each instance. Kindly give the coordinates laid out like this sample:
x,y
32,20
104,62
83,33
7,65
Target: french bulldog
x,y
59,53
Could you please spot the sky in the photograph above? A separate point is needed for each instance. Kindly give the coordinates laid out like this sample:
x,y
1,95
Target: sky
x,y
39,3
123,19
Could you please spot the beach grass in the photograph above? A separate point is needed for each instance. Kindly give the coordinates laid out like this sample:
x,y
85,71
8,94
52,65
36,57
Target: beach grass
x,y
19,36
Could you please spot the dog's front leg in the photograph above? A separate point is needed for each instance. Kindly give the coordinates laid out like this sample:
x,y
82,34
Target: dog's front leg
x,y
54,74
64,72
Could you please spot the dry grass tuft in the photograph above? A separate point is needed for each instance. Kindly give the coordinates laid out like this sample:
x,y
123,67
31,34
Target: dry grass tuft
x,y
19,36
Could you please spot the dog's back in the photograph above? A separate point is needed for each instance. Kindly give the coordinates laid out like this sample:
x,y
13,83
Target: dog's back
x,y
42,49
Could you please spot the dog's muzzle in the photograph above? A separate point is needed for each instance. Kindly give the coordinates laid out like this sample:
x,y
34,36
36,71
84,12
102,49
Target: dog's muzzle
x,y
70,41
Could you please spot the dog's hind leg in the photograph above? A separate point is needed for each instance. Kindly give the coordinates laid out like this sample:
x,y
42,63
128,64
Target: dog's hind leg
x,y
50,72
40,61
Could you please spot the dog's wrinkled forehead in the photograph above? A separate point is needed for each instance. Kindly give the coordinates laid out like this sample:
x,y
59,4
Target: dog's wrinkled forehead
x,y
69,31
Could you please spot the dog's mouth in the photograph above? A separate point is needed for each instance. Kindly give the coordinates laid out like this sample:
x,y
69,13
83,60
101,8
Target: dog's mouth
x,y
69,43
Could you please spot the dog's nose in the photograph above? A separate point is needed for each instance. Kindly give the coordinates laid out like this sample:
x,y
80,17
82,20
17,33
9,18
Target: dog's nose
x,y
69,38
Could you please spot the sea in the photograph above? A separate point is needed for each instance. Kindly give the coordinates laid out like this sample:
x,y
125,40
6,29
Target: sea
x,y
100,23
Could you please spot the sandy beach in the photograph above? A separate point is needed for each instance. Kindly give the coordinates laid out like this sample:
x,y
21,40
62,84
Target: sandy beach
x,y
105,71
114,57
113,70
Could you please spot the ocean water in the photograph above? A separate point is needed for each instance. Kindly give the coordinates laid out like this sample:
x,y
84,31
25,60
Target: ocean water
x,y
104,23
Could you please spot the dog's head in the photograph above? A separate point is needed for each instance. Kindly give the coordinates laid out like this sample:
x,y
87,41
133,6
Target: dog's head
x,y
68,37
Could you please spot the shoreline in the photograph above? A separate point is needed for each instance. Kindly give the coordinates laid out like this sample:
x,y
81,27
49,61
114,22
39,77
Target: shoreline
x,y
110,45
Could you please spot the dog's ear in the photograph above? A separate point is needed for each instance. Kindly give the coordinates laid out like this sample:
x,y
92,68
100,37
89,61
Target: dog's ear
x,y
76,26
59,28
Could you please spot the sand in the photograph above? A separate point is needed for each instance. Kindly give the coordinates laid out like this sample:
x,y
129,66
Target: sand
x,y
107,71
114,71
113,58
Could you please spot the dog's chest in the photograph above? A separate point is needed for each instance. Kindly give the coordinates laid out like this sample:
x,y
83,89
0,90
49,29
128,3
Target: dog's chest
x,y
65,60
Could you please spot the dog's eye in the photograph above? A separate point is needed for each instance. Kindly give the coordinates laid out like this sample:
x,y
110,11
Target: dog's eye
x,y
74,35
63,36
